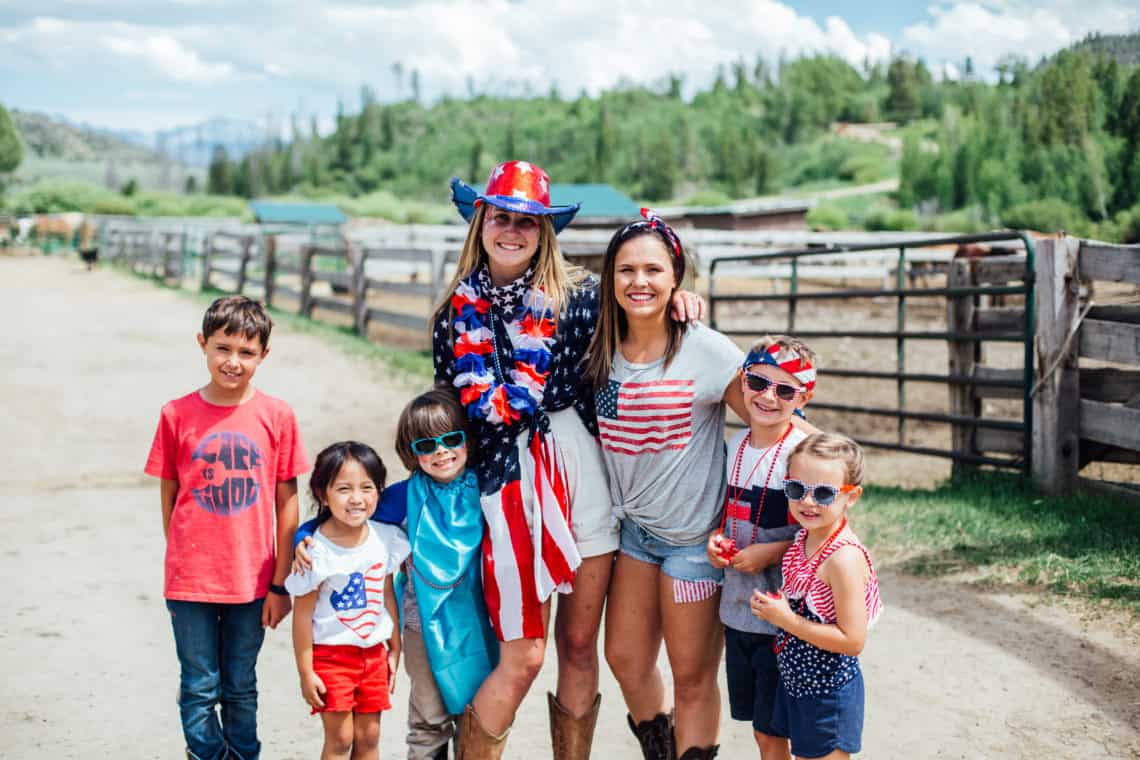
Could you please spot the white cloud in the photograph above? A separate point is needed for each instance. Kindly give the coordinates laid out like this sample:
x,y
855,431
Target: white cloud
x,y
590,44
987,30
285,55
170,57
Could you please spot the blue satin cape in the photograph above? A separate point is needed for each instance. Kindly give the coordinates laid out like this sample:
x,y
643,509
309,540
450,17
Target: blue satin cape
x,y
445,527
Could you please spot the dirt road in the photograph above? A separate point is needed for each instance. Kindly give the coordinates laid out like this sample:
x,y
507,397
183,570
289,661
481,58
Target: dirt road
x,y
87,654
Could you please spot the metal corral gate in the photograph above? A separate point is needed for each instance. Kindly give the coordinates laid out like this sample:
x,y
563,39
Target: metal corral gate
x,y
970,335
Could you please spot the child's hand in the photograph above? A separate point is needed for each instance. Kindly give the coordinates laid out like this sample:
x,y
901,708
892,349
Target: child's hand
x,y
274,609
754,558
302,561
393,663
720,550
313,689
772,606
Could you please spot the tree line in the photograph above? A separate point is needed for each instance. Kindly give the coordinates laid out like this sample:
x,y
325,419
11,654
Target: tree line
x,y
1063,134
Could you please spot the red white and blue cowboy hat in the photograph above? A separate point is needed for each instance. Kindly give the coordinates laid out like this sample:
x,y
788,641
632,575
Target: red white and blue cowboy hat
x,y
513,186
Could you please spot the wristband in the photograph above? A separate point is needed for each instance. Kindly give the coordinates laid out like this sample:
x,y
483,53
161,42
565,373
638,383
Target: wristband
x,y
279,590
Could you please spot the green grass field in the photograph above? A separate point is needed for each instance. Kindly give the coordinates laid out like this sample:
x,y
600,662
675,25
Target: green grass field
x,y
995,530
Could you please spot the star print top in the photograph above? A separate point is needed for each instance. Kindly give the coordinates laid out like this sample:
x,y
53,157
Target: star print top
x,y
498,457
350,606
805,669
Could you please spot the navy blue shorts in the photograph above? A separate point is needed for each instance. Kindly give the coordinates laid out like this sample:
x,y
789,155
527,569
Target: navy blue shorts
x,y
818,725
750,665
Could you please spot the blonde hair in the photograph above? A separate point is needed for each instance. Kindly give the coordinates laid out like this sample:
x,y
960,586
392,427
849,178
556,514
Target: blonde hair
x,y
557,277
786,342
833,446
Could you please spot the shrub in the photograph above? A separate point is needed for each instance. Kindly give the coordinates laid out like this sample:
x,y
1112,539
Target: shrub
x,y
827,217
861,170
883,219
112,206
707,198
966,221
1044,215
1128,225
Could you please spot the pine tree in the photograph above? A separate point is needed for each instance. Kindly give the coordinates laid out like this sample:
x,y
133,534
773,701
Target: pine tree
x,y
218,176
11,149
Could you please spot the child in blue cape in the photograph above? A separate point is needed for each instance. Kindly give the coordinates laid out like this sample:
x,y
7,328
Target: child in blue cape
x,y
449,647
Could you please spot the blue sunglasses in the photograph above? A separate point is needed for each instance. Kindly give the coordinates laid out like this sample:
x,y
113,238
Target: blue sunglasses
x,y
452,440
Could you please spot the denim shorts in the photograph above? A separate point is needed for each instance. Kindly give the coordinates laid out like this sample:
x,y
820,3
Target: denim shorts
x,y
820,724
753,677
686,563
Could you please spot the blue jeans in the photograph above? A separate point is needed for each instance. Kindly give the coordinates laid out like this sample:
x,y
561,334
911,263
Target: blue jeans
x,y
217,648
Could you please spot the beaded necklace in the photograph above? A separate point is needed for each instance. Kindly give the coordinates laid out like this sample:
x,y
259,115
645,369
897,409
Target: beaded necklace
x,y
737,465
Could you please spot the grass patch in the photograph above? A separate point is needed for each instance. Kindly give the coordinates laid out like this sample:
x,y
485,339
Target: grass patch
x,y
996,528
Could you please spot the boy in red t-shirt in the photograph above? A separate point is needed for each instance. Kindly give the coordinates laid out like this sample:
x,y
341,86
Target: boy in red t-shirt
x,y
228,456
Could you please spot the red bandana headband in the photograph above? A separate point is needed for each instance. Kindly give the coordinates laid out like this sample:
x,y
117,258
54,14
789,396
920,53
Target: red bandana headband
x,y
787,359
657,224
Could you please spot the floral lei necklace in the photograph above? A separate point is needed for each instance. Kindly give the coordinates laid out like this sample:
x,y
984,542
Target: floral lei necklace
x,y
484,390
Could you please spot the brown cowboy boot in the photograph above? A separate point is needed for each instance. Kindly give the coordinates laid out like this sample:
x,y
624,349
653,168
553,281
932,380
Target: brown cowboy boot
x,y
655,736
700,753
475,742
571,737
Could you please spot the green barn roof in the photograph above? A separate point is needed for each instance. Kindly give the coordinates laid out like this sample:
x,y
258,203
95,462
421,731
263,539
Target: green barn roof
x,y
598,200
275,212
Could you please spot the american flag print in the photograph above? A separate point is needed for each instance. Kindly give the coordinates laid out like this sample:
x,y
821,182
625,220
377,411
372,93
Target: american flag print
x,y
359,604
649,417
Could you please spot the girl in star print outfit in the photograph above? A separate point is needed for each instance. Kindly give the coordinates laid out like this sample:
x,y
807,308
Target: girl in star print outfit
x,y
510,335
830,598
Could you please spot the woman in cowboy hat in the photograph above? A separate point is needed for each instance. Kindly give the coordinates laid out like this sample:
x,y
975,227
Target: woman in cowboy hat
x,y
510,335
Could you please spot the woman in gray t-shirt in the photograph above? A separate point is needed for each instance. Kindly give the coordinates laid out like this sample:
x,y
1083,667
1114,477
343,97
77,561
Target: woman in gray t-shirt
x,y
661,387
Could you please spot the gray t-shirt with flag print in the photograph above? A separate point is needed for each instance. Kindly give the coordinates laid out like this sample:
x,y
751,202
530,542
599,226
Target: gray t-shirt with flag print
x,y
662,436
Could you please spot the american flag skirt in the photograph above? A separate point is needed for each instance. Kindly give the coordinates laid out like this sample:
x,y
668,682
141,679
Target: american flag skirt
x,y
528,546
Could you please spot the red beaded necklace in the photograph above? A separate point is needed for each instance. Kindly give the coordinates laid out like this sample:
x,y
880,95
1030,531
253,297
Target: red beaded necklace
x,y
737,465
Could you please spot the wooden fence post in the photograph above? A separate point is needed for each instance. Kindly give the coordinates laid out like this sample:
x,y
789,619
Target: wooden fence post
x,y
1056,405
306,307
964,356
357,256
270,242
207,249
246,246
438,269
167,253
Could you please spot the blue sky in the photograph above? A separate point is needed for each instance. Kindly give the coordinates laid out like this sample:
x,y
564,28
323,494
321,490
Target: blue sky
x,y
149,65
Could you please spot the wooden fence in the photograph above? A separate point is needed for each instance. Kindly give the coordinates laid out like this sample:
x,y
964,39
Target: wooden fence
x,y
1087,394
978,324
1083,404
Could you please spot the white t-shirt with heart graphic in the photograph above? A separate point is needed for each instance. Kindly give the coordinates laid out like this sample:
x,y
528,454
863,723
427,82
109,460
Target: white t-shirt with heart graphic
x,y
350,606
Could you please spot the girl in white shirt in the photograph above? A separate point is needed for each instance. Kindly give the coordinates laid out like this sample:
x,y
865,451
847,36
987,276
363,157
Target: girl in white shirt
x,y
344,634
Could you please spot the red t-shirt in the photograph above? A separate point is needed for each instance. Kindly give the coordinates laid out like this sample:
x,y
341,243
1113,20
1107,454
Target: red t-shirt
x,y
228,461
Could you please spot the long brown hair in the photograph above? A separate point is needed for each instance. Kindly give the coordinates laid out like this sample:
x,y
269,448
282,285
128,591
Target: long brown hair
x,y
612,324
552,272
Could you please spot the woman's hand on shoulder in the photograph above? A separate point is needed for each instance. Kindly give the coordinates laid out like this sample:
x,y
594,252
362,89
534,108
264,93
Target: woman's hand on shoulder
x,y
687,306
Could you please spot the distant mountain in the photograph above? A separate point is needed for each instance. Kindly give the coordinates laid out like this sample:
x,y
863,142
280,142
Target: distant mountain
x,y
1125,48
55,138
193,145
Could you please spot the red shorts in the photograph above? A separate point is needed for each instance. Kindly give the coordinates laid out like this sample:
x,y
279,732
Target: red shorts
x,y
356,679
